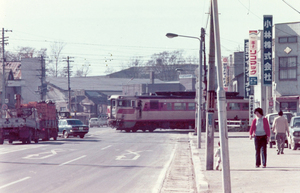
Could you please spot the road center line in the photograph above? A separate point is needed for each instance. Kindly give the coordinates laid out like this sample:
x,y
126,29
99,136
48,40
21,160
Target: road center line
x,y
72,160
12,183
106,147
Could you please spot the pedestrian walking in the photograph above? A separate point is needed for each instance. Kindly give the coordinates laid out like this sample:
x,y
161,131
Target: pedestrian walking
x,y
280,127
260,130
218,156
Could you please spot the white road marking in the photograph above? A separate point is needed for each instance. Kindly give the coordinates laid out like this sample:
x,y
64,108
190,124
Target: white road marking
x,y
106,147
15,149
72,160
43,155
12,183
128,156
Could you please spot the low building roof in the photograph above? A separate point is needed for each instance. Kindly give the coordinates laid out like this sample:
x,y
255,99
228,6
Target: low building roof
x,y
100,83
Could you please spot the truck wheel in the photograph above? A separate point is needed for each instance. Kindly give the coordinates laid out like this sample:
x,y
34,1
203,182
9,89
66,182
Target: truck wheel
x,y
81,136
66,135
36,140
10,141
1,141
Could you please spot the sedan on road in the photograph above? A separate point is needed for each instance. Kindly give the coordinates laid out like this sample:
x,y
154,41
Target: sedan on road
x,y
271,117
94,122
294,129
72,127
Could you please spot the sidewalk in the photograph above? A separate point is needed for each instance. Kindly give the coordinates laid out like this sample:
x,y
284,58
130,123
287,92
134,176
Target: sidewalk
x,y
281,175
180,175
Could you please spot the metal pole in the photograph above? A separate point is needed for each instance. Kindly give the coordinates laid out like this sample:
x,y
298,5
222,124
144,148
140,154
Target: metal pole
x,y
198,113
210,98
3,75
222,114
69,88
199,120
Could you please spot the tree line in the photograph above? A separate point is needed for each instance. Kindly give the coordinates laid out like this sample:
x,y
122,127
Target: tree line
x,y
164,64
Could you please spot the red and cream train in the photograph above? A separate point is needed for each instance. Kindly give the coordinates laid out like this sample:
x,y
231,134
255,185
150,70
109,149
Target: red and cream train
x,y
164,110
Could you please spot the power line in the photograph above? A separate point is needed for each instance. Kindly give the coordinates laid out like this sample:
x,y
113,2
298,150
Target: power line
x,y
291,7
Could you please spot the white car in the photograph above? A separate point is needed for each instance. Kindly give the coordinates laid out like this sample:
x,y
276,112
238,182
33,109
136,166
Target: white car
x,y
294,129
271,117
94,122
103,120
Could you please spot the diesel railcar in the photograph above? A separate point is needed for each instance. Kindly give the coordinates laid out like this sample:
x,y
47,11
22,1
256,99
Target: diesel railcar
x,y
164,110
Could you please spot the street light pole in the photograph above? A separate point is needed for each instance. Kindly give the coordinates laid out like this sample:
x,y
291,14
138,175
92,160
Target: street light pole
x,y
222,114
199,101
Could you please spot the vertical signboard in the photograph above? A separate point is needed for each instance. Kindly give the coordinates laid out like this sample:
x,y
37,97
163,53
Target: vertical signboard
x,y
251,108
246,69
224,72
267,60
253,67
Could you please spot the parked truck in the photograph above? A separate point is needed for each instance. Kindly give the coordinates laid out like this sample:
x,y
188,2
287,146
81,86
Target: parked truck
x,y
29,122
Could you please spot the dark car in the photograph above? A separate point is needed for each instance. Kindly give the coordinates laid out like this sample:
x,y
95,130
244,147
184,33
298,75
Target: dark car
x,y
72,127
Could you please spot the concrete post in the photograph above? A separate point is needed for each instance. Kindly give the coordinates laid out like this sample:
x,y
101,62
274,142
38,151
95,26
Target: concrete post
x,y
210,98
222,114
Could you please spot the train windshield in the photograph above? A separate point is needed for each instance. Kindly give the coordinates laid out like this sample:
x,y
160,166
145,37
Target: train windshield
x,y
124,103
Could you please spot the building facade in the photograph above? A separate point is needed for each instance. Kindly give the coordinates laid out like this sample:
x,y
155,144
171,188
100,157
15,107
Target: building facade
x,y
286,80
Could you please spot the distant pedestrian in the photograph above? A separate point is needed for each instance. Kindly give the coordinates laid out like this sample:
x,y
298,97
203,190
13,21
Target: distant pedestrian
x,y
218,156
260,130
280,127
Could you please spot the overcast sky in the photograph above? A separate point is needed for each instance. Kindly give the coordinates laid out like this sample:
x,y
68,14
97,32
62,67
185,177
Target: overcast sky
x,y
107,33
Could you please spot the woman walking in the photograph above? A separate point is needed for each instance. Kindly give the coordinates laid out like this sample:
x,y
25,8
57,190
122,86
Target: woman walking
x,y
260,130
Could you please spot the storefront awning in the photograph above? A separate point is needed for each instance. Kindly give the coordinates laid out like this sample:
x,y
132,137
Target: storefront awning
x,y
288,97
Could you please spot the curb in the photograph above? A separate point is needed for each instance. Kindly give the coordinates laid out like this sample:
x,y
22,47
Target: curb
x,y
201,182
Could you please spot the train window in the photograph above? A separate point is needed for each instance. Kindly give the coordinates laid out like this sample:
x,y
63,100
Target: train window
x,y
169,106
234,106
245,106
133,103
179,106
154,104
191,106
124,103
113,103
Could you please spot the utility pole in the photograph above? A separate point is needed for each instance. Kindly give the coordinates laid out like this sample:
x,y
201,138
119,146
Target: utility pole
x,y
199,119
210,98
69,88
43,76
222,114
3,71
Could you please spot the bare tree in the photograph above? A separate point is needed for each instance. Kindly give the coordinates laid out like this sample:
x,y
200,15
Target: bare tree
x,y
109,70
164,64
166,58
25,52
56,49
134,68
83,71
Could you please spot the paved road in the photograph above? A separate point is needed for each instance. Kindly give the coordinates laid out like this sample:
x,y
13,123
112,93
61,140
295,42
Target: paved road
x,y
104,161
